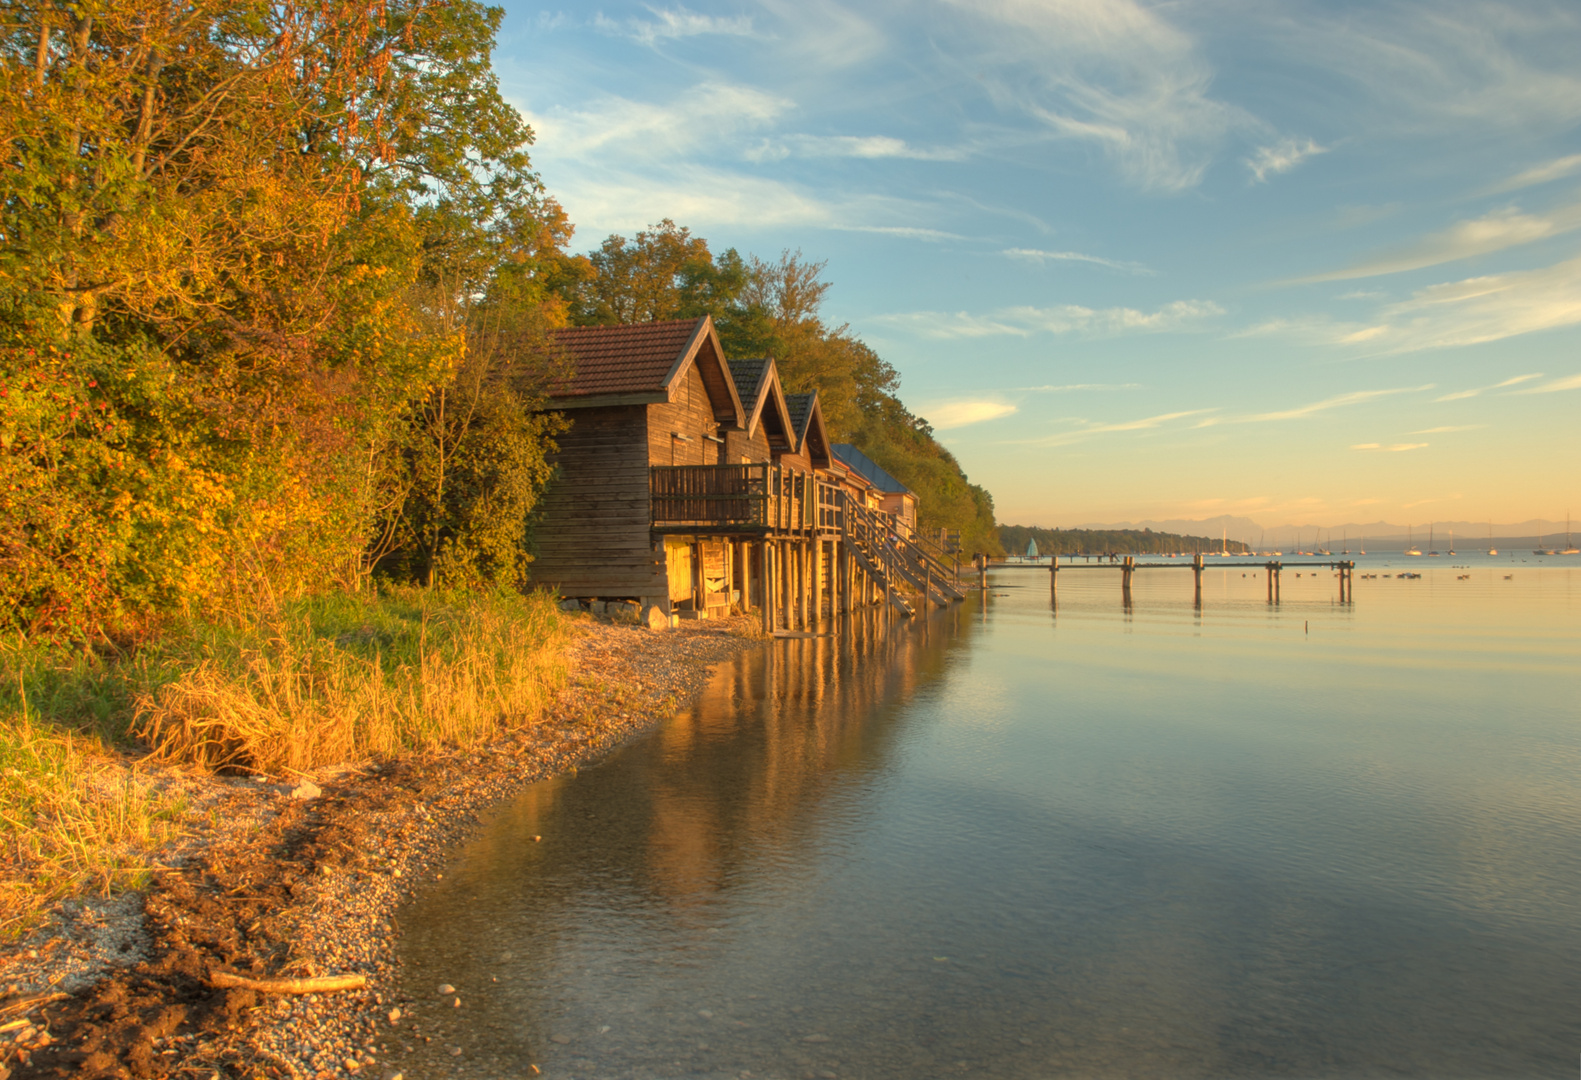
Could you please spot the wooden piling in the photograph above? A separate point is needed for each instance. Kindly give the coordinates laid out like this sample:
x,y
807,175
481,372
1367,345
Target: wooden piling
x,y
765,600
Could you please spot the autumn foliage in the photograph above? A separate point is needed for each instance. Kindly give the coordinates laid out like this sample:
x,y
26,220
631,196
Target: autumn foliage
x,y
272,306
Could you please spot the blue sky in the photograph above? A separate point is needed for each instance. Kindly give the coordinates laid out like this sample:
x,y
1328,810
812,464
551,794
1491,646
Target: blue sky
x,y
1308,263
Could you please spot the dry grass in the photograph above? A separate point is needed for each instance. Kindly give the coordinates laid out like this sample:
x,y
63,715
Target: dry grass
x,y
73,817
348,680
316,683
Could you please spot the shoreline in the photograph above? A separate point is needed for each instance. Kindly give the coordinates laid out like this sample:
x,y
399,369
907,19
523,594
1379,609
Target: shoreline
x,y
286,886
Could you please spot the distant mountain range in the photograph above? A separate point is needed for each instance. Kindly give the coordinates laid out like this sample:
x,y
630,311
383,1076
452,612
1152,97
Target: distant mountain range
x,y
1255,533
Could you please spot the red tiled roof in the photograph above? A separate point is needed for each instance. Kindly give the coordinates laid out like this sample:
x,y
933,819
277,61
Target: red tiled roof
x,y
622,359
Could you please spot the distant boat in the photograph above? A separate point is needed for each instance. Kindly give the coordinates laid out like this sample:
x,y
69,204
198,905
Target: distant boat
x,y
1539,549
1410,548
1570,548
1430,550
1451,541
1491,549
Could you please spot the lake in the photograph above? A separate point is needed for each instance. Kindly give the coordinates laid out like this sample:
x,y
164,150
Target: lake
x,y
1309,840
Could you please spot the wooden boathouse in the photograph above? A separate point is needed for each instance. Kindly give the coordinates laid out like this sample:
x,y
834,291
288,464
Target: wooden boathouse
x,y
692,486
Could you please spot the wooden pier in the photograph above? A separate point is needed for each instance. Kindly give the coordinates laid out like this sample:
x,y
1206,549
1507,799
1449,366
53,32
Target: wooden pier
x,y
1128,565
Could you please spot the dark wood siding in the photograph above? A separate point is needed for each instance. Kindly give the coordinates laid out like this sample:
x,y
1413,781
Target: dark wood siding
x,y
741,449
688,413
593,536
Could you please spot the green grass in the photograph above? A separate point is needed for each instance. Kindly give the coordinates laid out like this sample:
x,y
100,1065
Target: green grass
x,y
316,682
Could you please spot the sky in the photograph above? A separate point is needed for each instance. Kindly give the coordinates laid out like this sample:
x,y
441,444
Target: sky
x,y
1303,263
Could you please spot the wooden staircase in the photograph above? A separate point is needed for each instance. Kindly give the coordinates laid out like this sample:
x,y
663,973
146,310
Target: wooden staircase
x,y
896,561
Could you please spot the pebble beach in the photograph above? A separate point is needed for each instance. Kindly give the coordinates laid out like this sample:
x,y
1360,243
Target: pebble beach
x,y
301,879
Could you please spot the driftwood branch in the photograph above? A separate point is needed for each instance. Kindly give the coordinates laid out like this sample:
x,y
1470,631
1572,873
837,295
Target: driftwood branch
x,y
23,1006
322,985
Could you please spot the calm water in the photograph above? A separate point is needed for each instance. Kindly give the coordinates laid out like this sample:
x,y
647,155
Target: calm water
x,y
1312,841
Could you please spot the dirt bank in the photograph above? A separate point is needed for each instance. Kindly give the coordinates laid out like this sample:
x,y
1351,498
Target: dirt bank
x,y
294,880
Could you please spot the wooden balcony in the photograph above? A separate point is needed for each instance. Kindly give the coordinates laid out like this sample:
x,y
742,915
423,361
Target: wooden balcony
x,y
759,499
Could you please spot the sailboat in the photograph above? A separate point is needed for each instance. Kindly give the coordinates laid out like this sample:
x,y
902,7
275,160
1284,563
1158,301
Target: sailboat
x,y
1491,549
1410,548
1570,547
1430,550
1344,539
1451,541
1539,549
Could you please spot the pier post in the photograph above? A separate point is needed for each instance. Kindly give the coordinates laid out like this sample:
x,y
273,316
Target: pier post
x,y
1125,578
1276,582
765,595
801,585
1053,578
1196,572
889,574
1268,571
817,582
982,572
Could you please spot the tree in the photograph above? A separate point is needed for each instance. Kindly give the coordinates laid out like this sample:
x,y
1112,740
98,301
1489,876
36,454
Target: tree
x,y
664,272
226,228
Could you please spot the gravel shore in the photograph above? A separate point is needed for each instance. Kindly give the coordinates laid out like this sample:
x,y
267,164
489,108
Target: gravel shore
x,y
300,879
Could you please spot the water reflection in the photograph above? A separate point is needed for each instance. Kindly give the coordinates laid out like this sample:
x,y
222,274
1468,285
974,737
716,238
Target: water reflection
x,y
1102,839
650,865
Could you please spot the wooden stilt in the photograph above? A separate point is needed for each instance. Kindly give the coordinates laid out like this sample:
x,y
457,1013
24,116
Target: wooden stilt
x,y
817,581
765,603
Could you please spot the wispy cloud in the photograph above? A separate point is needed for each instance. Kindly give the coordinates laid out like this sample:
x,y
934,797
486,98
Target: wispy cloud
x,y
650,130
1092,428
1281,157
1461,395
1569,382
619,164
673,23
620,200
1072,387
1471,311
1040,257
1480,236
1112,73
1447,428
954,414
870,147
1557,169
1446,66
908,232
1484,309
1394,448
1338,401
1061,319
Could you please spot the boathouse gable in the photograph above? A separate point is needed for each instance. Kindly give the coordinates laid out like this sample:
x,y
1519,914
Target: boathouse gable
x,y
811,438
638,396
696,486
767,426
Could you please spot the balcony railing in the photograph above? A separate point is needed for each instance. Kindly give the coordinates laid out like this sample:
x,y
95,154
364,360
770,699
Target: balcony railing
x,y
755,498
